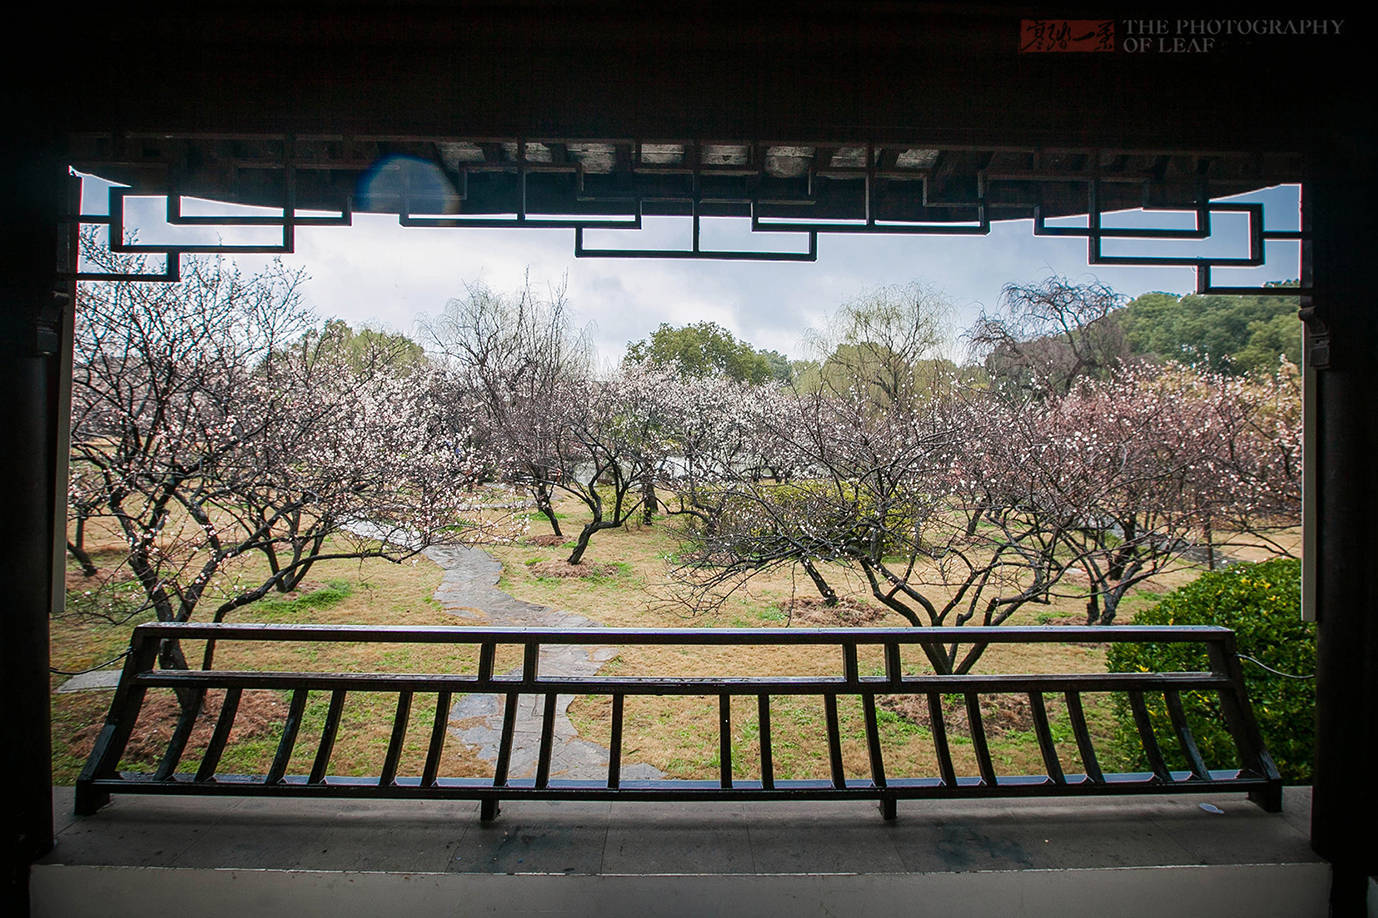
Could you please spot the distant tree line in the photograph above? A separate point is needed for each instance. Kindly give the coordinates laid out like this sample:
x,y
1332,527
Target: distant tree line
x,y
707,349
1066,330
1229,334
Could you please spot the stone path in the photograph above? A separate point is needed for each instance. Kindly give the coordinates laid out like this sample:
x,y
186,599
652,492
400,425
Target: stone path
x,y
469,590
99,680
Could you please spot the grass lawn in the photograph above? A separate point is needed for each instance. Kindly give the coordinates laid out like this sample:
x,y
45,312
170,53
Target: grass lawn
x,y
628,587
679,734
338,592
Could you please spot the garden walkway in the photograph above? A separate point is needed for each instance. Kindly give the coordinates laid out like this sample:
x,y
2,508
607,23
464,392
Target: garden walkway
x,y
469,591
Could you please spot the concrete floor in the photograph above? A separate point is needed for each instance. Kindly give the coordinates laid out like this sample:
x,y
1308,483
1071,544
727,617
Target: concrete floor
x,y
240,856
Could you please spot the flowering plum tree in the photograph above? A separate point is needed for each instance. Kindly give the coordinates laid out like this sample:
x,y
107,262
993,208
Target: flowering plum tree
x,y
1133,470
207,430
608,439
549,423
1263,455
517,359
961,502
713,430
908,496
1137,462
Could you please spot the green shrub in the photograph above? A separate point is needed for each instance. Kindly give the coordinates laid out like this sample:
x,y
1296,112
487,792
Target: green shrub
x,y
1262,604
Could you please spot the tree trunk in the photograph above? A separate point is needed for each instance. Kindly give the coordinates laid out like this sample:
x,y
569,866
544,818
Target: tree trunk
x,y
273,567
1111,605
582,544
543,504
648,498
293,580
170,656
827,592
1093,607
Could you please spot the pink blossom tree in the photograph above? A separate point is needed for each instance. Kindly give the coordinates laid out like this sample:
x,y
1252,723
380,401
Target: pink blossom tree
x,y
967,504
905,495
1138,469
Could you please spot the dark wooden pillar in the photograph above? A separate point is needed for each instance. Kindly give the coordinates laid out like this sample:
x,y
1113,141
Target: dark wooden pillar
x,y
30,335
1343,196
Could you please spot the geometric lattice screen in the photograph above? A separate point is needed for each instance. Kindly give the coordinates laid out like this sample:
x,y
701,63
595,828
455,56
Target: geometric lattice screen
x,y
605,189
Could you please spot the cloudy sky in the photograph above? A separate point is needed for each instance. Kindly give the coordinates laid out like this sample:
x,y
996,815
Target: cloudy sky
x,y
380,273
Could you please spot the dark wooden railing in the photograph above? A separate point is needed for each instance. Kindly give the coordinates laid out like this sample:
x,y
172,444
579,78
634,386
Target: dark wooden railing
x,y
1254,772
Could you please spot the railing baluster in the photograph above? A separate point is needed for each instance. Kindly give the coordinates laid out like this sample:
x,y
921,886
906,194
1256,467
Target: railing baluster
x,y
767,760
328,733
978,740
186,721
547,740
439,730
487,652
894,671
108,748
1147,737
1085,747
868,704
1045,738
850,669
615,743
938,727
399,735
229,707
114,736
1239,720
509,724
531,662
725,740
834,741
1185,739
289,737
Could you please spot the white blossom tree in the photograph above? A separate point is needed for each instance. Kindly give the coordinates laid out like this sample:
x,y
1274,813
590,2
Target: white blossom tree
x,y
206,430
517,359
606,440
712,430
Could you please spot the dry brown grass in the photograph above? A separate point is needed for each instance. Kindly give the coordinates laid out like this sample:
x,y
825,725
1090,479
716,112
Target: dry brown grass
x,y
259,715
624,582
679,734
379,593
565,569
813,611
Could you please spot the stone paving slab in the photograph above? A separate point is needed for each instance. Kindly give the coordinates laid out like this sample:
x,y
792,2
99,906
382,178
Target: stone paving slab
x,y
1256,890
661,837
100,680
